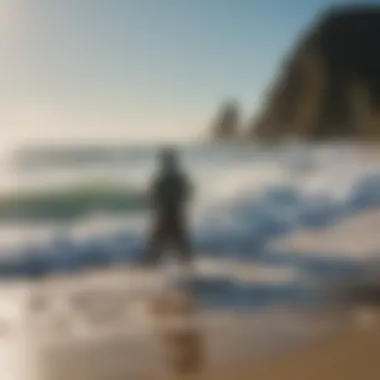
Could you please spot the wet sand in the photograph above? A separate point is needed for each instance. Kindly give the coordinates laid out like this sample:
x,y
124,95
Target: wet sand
x,y
97,331
91,327
239,350
350,355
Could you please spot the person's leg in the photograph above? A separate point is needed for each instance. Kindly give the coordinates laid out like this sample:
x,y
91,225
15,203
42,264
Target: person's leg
x,y
157,244
182,241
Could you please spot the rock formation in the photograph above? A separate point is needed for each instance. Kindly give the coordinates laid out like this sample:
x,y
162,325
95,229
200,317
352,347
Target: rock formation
x,y
226,124
329,87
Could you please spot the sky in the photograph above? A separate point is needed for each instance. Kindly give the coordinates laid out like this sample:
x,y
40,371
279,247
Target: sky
x,y
138,70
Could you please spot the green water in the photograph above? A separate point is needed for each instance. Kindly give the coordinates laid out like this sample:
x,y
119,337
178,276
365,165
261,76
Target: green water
x,y
70,202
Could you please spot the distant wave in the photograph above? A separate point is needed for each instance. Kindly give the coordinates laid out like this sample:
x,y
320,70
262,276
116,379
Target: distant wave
x,y
70,202
84,156
72,156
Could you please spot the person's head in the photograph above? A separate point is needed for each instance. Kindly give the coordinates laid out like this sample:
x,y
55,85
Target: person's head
x,y
169,158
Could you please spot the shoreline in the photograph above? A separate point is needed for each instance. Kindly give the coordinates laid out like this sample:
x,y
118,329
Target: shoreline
x,y
61,340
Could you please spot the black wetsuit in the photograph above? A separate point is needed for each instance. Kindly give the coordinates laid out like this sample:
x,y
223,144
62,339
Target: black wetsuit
x,y
170,193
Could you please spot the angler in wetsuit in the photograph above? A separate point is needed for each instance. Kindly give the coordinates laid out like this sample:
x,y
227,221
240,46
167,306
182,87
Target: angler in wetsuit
x,y
169,196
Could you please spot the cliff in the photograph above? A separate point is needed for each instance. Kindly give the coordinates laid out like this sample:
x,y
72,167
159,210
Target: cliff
x,y
329,86
225,126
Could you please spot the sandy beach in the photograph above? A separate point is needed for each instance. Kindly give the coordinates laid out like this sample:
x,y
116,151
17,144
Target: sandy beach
x,y
130,323
96,326
84,327
276,343
350,355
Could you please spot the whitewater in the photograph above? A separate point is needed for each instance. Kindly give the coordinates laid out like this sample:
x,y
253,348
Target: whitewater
x,y
245,197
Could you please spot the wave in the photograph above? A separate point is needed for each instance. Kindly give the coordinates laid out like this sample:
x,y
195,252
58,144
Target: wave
x,y
68,203
235,219
239,232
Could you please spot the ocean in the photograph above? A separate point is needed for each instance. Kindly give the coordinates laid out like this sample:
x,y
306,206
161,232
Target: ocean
x,y
246,198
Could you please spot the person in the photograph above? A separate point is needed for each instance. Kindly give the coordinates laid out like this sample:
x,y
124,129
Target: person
x,y
170,193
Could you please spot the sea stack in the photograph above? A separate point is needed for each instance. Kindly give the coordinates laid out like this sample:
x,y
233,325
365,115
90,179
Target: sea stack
x,y
225,126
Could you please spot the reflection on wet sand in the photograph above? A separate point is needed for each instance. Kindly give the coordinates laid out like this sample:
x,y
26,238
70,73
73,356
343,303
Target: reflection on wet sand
x,y
88,328
350,355
173,343
158,332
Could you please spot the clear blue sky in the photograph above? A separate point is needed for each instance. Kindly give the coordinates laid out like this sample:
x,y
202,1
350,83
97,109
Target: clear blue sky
x,y
138,69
